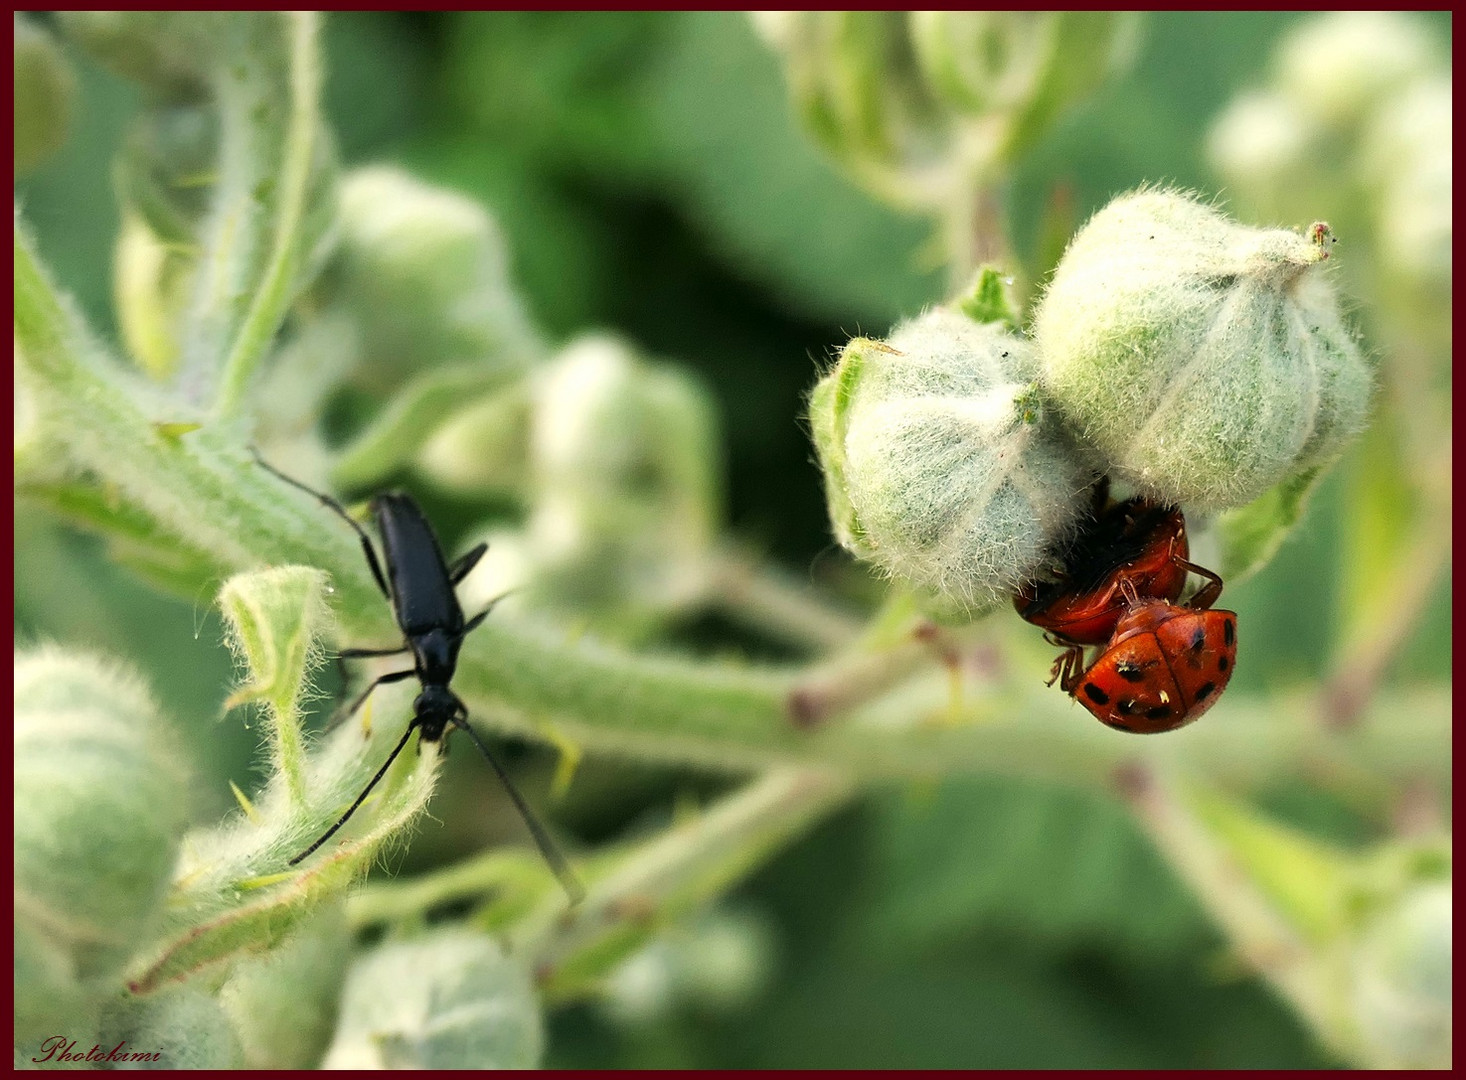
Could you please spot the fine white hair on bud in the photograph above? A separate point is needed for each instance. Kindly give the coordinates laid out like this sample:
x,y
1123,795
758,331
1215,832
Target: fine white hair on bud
x,y
1205,360
449,999
97,810
425,272
940,463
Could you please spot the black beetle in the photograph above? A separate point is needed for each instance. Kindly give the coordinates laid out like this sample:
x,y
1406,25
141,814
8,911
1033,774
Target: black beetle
x,y
420,585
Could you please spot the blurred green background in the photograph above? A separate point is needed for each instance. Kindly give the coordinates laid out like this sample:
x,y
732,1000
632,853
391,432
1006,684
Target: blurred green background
x,y
650,180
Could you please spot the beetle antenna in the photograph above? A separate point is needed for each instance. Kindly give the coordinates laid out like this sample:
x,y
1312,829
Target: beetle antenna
x,y
558,863
360,798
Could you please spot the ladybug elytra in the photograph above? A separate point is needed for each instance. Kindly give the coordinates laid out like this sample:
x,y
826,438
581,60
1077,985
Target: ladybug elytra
x,y
1164,667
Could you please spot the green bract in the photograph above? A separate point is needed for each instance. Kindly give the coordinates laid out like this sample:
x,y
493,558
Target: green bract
x,y
940,465
1207,361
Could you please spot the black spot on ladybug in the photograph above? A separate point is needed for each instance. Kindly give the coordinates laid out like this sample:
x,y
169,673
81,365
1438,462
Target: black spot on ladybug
x,y
1222,662
1204,691
1126,707
1198,639
1158,712
1129,671
1095,694
1229,633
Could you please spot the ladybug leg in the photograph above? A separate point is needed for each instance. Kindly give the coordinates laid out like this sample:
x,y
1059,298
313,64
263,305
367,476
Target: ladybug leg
x,y
1209,593
1068,669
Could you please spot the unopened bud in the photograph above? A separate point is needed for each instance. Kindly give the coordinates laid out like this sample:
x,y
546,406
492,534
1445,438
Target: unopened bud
x,y
1338,66
450,999
1205,360
1406,157
941,465
97,809
45,87
1402,988
425,272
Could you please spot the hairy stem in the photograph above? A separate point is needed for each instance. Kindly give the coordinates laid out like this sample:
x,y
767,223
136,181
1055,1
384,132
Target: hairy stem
x,y
275,289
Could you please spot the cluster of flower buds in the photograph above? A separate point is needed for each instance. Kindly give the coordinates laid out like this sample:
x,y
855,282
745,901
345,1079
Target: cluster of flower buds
x,y
910,102
1355,123
1195,360
620,474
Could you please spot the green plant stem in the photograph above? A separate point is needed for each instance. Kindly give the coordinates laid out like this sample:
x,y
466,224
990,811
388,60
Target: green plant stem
x,y
719,716
686,865
205,488
975,229
1255,930
1363,662
769,600
275,289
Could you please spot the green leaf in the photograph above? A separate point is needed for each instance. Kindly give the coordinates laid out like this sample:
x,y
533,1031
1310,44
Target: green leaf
x,y
248,180
1062,868
275,619
1252,534
990,298
135,539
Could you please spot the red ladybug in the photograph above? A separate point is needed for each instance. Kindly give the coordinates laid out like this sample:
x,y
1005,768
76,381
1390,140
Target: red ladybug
x,y
1164,666
1137,541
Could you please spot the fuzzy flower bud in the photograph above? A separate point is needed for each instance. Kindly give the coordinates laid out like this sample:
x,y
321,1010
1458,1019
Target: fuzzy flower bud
x,y
1207,361
912,102
626,490
941,467
483,447
44,89
185,1026
448,1000
49,997
1019,69
282,1004
1337,66
610,427
1406,156
97,808
1402,981
425,272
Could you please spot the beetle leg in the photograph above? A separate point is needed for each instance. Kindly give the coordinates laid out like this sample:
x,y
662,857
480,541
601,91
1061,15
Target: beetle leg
x,y
390,677
464,566
1068,669
358,654
484,614
340,511
364,793
1208,594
